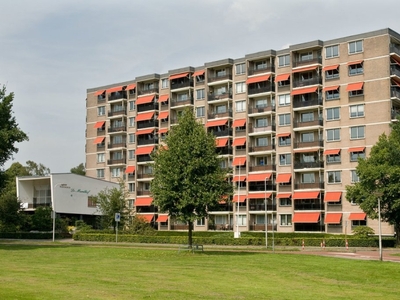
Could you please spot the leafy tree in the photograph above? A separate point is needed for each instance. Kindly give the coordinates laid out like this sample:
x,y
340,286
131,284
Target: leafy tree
x,y
79,169
379,176
363,231
41,219
110,202
188,180
10,219
36,169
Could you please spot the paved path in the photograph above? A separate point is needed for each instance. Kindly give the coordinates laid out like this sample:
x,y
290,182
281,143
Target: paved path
x,y
392,255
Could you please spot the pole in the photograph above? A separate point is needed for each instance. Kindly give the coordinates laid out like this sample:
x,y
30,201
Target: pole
x,y
380,229
237,212
54,220
116,232
273,222
266,213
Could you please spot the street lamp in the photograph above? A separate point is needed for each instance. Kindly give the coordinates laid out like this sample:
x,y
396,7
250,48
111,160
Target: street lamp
x,y
379,195
266,213
237,212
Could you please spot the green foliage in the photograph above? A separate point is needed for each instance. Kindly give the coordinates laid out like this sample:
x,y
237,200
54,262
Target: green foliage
x,y
10,218
363,231
41,220
140,226
79,169
80,225
35,169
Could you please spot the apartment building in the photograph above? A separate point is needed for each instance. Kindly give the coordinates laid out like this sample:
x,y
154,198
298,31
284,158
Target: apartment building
x,y
290,124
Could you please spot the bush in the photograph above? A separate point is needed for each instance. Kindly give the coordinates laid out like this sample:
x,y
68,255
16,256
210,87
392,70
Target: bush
x,y
363,231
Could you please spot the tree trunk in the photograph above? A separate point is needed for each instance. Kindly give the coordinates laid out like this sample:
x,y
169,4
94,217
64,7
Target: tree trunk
x,y
397,232
190,233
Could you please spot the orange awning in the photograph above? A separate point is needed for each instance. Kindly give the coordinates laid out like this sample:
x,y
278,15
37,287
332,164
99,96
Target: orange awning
x,y
144,150
354,86
130,86
99,124
258,177
357,149
242,198
333,218
147,218
216,123
99,140
163,98
163,115
114,89
284,178
333,196
176,76
130,169
163,130
282,77
145,131
258,79
305,195
284,195
239,141
306,217
305,69
304,91
162,218
355,62
239,123
198,73
144,99
239,161
332,152
144,201
357,216
144,116
331,88
241,178
99,92
329,68
222,142
259,196
286,134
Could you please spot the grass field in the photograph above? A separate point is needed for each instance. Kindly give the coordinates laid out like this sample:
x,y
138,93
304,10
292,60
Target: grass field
x,y
63,271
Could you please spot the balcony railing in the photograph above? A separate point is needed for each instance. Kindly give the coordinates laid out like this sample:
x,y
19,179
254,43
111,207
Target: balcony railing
x,y
145,175
142,142
219,78
395,70
319,143
147,209
116,161
117,145
314,60
309,185
143,193
216,97
312,102
117,96
304,165
101,131
297,124
255,168
117,112
143,158
308,206
261,227
180,85
117,129
262,148
263,89
179,227
101,99
264,69
311,81
215,115
261,109
261,207
225,150
148,91
261,129
226,132
189,101
146,124
395,49
101,147
147,107
257,187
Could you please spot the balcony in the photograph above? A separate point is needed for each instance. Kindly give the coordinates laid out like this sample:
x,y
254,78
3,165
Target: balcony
x,y
225,151
215,115
188,101
101,131
219,78
147,107
117,129
319,143
147,124
117,96
262,89
117,145
314,101
118,161
395,70
142,142
240,132
262,148
309,185
226,132
143,158
116,112
101,147
257,187
261,227
395,49
217,97
299,124
36,205
312,61
145,175
180,85
255,168
260,109
261,207
259,70
146,209
312,81
310,165
317,205
101,98
143,193
261,129
148,91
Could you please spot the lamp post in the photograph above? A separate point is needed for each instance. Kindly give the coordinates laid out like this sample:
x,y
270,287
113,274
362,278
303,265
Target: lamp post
x,y
238,198
379,195
266,212
273,223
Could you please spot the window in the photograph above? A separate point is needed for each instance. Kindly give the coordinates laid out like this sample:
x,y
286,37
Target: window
x,y
100,173
357,111
262,122
200,222
285,202
200,94
132,105
332,51
164,83
101,110
284,83
355,223
354,176
240,87
220,72
356,69
131,138
131,187
334,176
308,157
307,137
333,158
333,134
356,93
284,100
260,65
261,161
92,201
333,113
286,220
182,97
220,109
332,95
357,132
306,56
240,106
131,154
284,119
332,74
306,76
132,122
115,172
307,117
285,159
261,103
355,155
200,111
240,69
284,141
284,60
117,139
100,157
307,178
261,142
148,86
130,203
355,47
242,220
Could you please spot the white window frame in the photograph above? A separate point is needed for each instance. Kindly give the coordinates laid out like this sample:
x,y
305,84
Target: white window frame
x,y
287,121
332,50
335,175
131,138
336,131
131,121
356,46
100,173
285,159
335,115
164,83
240,105
131,154
360,134
240,68
101,157
285,60
200,111
354,177
200,94
285,220
101,111
240,87
357,112
284,100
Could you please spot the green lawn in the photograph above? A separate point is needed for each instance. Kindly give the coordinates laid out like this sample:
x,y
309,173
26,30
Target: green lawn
x,y
63,271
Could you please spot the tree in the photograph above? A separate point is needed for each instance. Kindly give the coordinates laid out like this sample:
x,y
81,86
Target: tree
x,y
35,169
79,169
188,179
110,202
10,219
379,176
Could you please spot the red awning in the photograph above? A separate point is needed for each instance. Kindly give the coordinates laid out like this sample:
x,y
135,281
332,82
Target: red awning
x,y
99,140
333,218
114,89
241,178
222,142
216,123
332,152
239,161
163,130
163,98
258,79
357,216
144,150
284,178
198,73
357,149
305,195
329,68
305,69
258,177
130,169
144,116
99,92
333,196
355,62
145,99
147,218
144,201
176,76
331,88
284,195
162,218
242,198
354,86
259,196
130,86
145,131
239,141
282,77
306,217
239,123
286,134
163,115
304,91
99,124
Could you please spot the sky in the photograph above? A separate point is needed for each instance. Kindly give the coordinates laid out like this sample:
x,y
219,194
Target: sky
x,y
53,51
